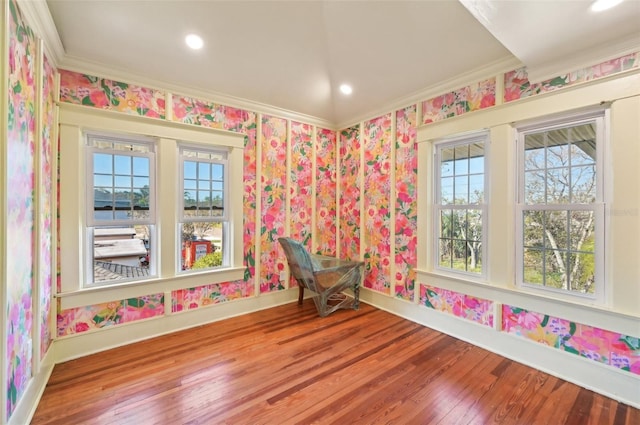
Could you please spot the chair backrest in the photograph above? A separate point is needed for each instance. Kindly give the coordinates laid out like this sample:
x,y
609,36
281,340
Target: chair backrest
x,y
300,263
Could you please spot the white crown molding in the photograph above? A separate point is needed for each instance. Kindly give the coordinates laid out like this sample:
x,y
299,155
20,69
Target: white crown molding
x,y
72,63
492,69
37,14
584,59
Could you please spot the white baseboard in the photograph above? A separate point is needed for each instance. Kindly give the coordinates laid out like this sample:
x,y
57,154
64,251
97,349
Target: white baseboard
x,y
611,382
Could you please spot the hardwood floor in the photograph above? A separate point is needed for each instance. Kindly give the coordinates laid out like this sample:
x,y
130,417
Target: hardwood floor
x,y
286,365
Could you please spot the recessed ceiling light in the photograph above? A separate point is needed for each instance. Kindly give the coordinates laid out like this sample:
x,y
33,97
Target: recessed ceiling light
x,y
600,5
194,41
346,89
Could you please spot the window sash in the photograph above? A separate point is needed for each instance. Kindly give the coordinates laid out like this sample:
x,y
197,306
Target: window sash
x,y
468,177
211,185
555,265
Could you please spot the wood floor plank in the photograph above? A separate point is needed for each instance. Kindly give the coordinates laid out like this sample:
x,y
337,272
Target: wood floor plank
x,y
286,365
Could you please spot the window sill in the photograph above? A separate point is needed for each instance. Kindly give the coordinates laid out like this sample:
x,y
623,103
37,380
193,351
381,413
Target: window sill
x,y
118,291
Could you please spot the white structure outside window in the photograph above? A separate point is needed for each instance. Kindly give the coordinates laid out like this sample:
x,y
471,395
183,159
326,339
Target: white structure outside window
x,y
459,207
560,209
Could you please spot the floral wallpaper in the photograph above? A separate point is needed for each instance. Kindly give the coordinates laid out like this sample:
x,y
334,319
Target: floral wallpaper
x,y
273,200
349,209
611,348
517,85
202,296
189,110
301,187
326,192
46,198
474,309
467,99
377,199
87,90
87,318
406,219
20,145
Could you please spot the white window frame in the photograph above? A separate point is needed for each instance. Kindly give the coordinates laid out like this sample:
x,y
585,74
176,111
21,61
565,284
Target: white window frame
x,y
600,118
438,146
75,122
223,219
149,145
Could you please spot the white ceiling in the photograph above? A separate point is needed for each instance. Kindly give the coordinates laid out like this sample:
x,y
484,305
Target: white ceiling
x,y
293,55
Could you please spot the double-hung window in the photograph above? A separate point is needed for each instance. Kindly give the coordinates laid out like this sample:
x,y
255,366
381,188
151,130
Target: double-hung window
x,y
204,214
459,207
120,214
560,208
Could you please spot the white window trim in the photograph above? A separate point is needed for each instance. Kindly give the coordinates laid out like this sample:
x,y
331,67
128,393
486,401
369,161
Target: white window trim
x,y
76,120
457,140
601,117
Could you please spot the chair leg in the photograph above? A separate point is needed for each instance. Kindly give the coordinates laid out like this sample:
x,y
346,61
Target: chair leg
x,y
300,294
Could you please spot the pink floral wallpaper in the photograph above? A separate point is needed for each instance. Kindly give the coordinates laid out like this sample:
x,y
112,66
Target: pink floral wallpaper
x,y
467,99
273,199
377,199
474,309
517,85
82,89
202,296
189,110
82,319
406,217
301,187
603,346
326,192
349,190
46,197
20,145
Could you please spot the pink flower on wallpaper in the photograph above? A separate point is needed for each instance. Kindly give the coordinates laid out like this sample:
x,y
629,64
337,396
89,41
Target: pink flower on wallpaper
x,y
349,226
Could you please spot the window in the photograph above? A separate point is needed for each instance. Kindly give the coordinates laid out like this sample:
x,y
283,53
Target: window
x,y
460,210
560,210
121,213
204,222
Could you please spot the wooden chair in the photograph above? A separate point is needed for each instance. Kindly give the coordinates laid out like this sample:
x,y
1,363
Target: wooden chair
x,y
326,276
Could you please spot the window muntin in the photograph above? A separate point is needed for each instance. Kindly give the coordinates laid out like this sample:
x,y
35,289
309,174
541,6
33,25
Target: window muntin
x,y
459,204
560,208
203,225
121,214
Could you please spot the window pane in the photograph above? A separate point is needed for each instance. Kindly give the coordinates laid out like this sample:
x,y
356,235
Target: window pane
x,y
461,190
446,159
445,248
476,189
141,182
555,269
461,164
140,166
105,180
121,253
189,170
583,188
582,231
446,224
446,190
102,163
533,266
533,225
122,164
123,181
201,246
582,272
556,230
217,171
204,170
558,186
204,184
583,153
534,187
190,184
